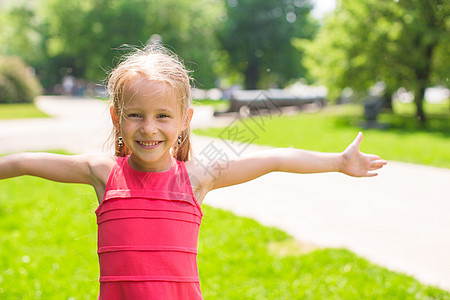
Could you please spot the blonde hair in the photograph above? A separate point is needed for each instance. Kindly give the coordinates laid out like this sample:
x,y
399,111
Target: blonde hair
x,y
155,64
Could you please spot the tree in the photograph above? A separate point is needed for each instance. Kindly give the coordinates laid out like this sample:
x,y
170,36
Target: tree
x,y
398,42
258,34
17,83
85,36
189,28
19,34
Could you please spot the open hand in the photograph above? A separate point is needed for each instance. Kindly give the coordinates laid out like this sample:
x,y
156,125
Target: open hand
x,y
358,164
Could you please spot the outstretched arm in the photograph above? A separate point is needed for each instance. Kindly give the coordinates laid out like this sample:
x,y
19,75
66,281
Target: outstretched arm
x,y
87,168
351,162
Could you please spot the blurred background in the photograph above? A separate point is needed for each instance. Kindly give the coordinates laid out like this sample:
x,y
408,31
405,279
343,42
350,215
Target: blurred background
x,y
319,71
352,48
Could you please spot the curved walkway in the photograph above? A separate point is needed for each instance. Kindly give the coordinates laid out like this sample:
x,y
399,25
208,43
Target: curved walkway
x,y
400,219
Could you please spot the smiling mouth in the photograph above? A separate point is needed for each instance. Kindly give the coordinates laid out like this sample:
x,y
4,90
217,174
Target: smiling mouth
x,y
148,144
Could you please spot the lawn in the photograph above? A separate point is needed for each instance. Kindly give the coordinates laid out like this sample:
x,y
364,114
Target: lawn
x,y
219,105
48,251
333,128
20,111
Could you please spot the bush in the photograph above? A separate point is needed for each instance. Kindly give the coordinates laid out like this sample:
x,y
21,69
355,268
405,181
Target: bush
x,y
17,83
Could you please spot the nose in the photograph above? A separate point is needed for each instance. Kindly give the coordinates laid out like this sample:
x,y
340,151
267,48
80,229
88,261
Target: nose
x,y
149,127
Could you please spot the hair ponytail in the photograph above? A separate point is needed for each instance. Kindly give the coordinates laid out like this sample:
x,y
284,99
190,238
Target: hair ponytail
x,y
183,151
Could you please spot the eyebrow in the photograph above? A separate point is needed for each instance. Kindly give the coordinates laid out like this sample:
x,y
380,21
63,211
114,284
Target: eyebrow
x,y
166,111
158,110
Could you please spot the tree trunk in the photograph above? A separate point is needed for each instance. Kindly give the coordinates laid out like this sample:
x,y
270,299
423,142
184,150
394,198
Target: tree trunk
x,y
418,99
423,76
387,100
251,74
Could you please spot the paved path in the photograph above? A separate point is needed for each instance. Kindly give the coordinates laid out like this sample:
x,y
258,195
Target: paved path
x,y
400,219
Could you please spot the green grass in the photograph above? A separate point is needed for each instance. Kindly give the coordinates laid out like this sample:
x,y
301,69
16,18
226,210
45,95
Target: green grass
x,y
48,251
332,129
216,104
20,111
47,240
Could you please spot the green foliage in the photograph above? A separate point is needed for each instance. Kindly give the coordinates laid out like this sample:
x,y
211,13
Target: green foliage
x,y
48,241
257,36
17,82
20,34
82,37
263,43
335,128
399,42
189,27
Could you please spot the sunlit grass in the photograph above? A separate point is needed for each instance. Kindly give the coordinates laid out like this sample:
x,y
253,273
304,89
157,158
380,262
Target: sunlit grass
x,y
332,129
220,105
47,240
48,251
20,111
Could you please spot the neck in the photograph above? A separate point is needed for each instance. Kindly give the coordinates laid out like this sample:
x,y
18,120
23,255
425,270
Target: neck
x,y
161,165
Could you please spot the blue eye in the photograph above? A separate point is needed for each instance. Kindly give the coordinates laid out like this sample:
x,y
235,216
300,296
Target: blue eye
x,y
134,116
161,116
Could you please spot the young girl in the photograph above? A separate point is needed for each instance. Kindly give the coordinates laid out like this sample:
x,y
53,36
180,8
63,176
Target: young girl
x,y
150,192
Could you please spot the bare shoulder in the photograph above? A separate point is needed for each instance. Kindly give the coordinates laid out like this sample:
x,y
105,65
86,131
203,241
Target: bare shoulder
x,y
200,180
227,173
100,165
100,160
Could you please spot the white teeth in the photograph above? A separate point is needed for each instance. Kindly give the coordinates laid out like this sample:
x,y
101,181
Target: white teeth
x,y
148,144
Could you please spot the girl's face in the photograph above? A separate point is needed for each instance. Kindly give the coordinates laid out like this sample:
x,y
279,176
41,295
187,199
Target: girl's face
x,y
152,121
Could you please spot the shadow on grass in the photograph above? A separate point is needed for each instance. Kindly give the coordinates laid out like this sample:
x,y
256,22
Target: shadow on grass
x,y
437,124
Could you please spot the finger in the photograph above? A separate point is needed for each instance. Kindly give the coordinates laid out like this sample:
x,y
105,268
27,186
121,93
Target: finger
x,y
378,162
373,157
375,168
357,141
369,174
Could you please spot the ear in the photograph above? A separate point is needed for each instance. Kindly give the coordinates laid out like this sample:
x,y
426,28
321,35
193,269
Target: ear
x,y
188,118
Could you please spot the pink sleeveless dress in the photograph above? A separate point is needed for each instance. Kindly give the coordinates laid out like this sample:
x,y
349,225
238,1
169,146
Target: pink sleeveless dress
x,y
148,225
